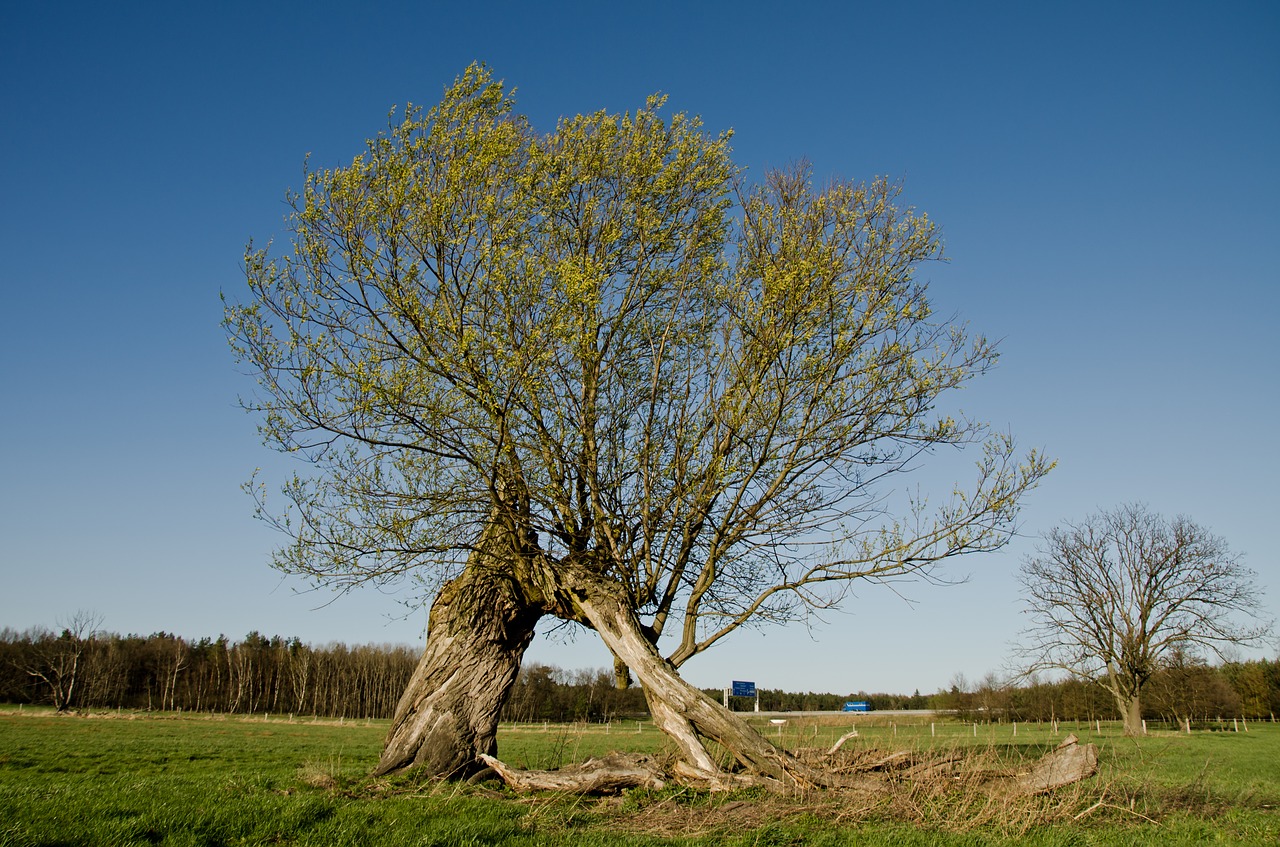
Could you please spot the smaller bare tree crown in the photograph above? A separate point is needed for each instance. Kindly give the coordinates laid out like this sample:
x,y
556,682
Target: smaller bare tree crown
x,y
1112,597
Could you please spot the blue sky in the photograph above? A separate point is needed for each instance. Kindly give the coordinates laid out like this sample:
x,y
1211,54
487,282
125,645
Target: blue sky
x,y
1105,175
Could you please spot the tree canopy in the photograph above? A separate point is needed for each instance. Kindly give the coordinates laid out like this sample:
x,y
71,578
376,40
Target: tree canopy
x,y
701,384
648,369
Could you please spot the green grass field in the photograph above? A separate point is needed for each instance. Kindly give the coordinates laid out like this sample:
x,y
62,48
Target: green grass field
x,y
122,779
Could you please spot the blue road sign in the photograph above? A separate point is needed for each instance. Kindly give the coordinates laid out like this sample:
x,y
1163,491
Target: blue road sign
x,y
744,689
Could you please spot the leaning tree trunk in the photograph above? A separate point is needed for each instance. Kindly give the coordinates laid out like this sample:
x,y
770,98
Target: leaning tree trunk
x,y
681,711
479,627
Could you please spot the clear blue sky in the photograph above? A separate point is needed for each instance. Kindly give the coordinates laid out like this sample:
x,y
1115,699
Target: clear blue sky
x,y
1106,175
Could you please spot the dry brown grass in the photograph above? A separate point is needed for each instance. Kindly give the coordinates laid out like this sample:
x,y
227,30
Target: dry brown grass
x,y
321,774
952,790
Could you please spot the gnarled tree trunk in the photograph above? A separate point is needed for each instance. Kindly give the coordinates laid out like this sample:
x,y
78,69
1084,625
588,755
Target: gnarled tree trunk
x,y
480,624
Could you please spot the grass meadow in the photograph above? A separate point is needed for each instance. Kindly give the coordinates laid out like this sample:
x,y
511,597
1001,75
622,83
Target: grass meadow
x,y
142,779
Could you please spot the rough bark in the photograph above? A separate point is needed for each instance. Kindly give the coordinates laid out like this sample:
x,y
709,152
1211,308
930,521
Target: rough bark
x,y
621,675
479,627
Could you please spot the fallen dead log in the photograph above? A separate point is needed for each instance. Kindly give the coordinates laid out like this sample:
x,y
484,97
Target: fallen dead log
x,y
933,767
1069,762
897,759
693,777
609,775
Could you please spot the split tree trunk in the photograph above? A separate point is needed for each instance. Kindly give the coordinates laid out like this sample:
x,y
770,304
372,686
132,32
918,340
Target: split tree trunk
x,y
480,624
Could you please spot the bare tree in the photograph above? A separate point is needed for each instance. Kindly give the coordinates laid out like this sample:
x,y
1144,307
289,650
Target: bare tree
x,y
58,660
1112,597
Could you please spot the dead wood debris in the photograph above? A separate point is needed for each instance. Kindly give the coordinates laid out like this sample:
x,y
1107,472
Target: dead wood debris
x,y
607,775
867,771
1069,762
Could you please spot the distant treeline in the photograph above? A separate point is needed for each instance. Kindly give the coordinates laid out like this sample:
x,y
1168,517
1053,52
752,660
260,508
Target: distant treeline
x,y
1185,689
79,668
548,693
163,671
82,669
776,700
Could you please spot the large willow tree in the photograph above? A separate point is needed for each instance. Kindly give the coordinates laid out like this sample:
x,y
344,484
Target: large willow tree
x,y
593,374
